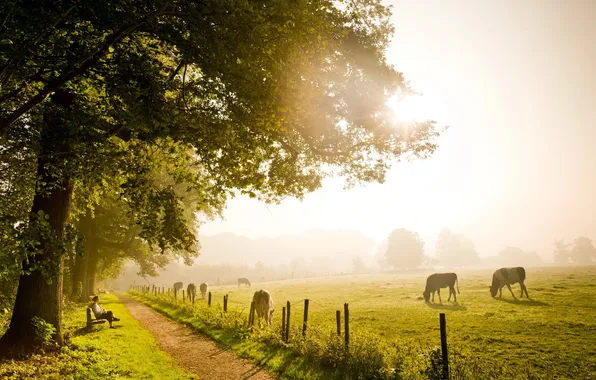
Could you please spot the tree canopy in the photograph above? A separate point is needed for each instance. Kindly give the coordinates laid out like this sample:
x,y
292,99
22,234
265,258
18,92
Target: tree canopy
x,y
262,97
405,249
455,250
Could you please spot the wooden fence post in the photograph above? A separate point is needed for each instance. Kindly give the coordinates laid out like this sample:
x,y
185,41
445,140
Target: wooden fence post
x,y
226,303
251,314
347,324
305,317
209,301
183,296
288,322
338,321
443,324
283,323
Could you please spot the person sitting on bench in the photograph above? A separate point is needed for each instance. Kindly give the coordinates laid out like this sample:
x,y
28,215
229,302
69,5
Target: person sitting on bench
x,y
101,313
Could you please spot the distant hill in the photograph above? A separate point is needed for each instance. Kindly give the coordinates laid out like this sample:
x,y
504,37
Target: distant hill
x,y
229,248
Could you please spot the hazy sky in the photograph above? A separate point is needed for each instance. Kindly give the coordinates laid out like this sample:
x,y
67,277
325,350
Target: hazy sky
x,y
516,83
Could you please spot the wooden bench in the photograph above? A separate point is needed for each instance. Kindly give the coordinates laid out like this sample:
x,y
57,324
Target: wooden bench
x,y
92,321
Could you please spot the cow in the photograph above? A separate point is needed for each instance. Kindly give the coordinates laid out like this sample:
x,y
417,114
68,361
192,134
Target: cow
x,y
436,281
263,304
244,281
191,291
203,288
507,277
178,286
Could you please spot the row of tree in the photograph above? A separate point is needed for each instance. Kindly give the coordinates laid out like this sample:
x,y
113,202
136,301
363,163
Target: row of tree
x,y
124,123
405,250
581,251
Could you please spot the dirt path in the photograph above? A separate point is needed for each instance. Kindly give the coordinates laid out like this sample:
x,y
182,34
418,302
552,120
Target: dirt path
x,y
195,353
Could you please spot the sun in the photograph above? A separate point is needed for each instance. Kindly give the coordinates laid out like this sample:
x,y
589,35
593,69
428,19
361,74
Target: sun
x,y
415,108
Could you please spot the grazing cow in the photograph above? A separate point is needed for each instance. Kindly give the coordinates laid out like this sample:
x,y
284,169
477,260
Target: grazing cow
x,y
177,287
244,281
191,290
203,288
263,304
507,277
436,281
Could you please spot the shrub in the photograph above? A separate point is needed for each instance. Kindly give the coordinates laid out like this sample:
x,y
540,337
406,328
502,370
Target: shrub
x,y
44,332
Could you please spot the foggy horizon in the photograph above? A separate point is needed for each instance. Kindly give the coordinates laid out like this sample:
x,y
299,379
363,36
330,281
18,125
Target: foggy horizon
x,y
514,83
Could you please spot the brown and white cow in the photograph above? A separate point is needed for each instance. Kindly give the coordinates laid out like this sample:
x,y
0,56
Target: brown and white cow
x,y
263,304
436,281
203,288
507,277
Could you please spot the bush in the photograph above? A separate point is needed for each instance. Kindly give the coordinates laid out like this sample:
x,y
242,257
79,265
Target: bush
x,y
44,332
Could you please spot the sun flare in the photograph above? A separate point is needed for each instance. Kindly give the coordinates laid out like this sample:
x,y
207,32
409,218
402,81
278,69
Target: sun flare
x,y
413,108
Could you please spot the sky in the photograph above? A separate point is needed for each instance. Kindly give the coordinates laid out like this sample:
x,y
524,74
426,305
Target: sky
x,y
515,81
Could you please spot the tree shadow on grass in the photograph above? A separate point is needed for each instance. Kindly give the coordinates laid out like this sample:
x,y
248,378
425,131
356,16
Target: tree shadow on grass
x,y
257,368
440,306
525,302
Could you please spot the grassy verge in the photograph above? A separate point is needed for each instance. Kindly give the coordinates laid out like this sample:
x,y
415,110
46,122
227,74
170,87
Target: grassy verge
x,y
262,347
321,354
128,351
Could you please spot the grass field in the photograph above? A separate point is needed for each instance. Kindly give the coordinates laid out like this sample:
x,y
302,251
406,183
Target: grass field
x,y
126,352
551,335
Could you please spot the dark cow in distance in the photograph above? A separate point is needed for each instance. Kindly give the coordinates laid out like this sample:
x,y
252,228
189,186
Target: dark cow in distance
x,y
263,304
203,288
436,281
507,277
191,290
177,287
243,281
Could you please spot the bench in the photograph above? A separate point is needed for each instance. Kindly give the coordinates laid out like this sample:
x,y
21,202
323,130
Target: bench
x,y
92,321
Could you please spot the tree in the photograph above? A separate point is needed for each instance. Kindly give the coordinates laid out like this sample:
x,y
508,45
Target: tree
x,y
455,250
561,252
113,232
405,250
583,251
358,265
515,256
269,97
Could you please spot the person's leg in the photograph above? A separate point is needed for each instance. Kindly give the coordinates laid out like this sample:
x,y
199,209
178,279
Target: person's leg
x,y
109,316
113,317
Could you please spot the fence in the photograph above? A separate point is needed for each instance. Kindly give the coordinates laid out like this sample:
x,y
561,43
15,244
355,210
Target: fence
x,y
286,319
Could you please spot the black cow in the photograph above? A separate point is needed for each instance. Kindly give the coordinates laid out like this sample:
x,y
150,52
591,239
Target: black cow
x,y
507,277
436,281
243,281
177,287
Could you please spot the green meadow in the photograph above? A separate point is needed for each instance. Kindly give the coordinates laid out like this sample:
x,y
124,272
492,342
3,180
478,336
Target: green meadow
x,y
552,335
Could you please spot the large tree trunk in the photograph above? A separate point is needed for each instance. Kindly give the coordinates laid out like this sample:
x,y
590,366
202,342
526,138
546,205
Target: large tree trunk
x,y
40,287
40,292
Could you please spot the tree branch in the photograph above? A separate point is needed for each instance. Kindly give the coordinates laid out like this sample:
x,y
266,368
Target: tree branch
x,y
79,69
